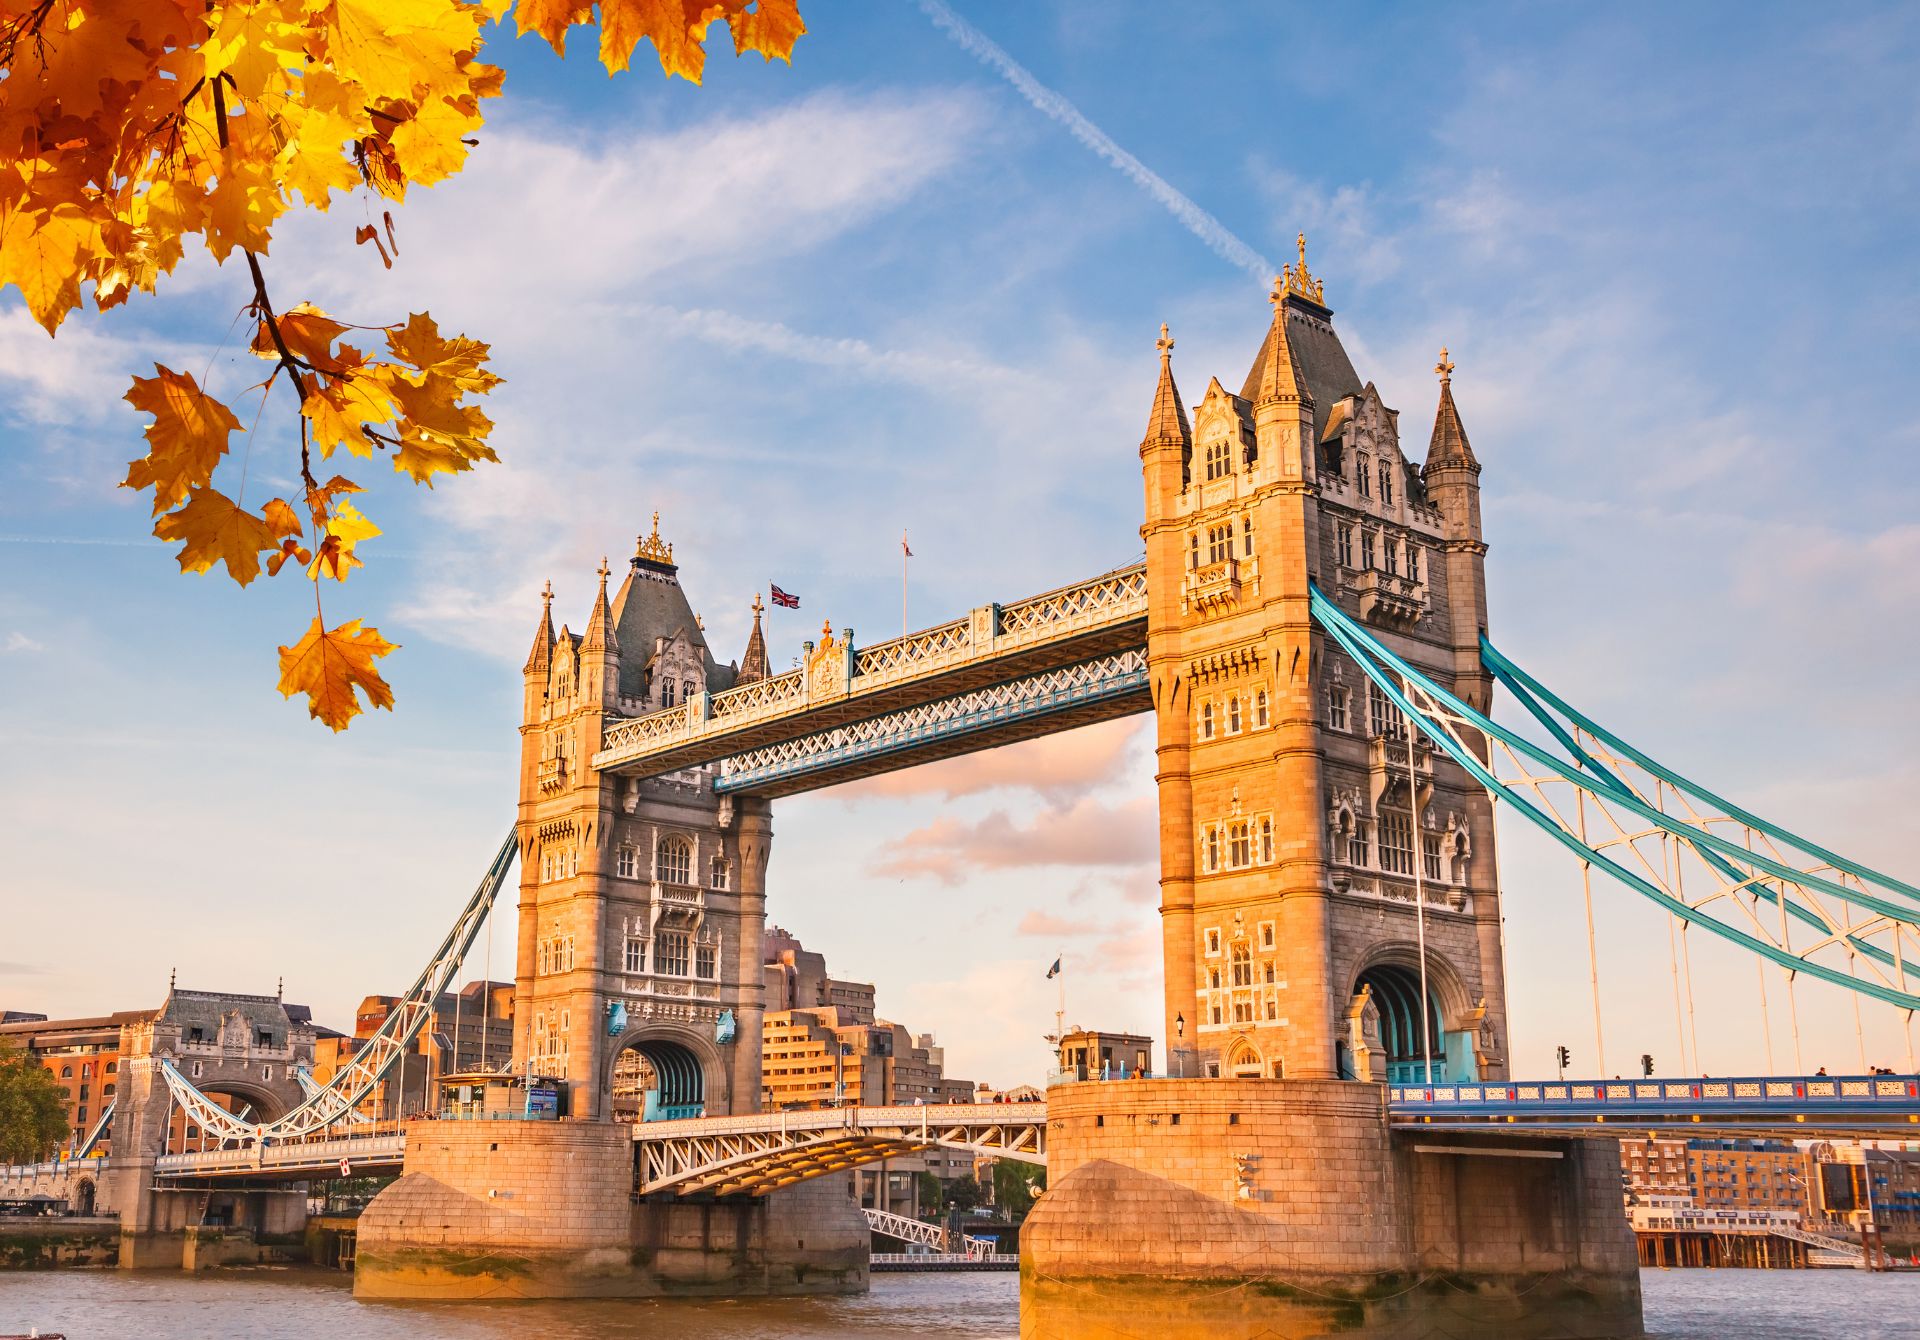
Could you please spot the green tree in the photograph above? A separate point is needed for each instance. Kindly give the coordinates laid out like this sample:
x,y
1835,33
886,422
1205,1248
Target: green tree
x,y
933,1195
963,1193
33,1108
1015,1185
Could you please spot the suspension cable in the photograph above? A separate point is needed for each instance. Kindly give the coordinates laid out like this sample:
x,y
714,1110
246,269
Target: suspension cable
x,y
1419,900
1593,953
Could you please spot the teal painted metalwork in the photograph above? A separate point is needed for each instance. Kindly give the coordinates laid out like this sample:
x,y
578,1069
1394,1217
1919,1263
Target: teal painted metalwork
x,y
1391,673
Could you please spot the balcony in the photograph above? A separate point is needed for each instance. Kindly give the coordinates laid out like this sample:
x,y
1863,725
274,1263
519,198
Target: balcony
x,y
551,774
1389,599
1215,586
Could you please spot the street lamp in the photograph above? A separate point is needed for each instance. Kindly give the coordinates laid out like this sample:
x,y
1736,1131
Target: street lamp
x,y
1177,1061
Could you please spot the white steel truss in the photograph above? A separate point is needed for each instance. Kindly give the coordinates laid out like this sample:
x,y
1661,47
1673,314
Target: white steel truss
x,y
963,713
753,1155
991,632
336,1102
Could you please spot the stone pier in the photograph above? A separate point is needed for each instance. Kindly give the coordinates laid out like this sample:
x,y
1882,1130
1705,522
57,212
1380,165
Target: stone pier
x,y
531,1209
1230,1208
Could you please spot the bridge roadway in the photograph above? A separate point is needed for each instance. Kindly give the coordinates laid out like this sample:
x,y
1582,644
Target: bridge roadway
x,y
1002,673
751,1155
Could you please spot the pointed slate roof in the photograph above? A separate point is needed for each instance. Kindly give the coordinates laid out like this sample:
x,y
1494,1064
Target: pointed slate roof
x,y
541,657
1168,420
1319,365
1449,444
650,605
753,663
600,632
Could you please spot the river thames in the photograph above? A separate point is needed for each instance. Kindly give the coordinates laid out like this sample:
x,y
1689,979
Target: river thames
x,y
307,1305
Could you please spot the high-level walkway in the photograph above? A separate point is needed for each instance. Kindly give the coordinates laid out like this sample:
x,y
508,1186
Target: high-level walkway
x,y
1002,673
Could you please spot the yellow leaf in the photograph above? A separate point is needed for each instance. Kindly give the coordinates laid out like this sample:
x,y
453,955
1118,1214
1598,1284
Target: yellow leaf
x,y
41,253
186,439
344,529
431,143
215,529
329,666
419,342
390,47
671,24
243,206
770,28
309,334
341,406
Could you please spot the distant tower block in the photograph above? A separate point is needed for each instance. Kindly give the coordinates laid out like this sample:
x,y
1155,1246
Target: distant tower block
x,y
1296,830
642,901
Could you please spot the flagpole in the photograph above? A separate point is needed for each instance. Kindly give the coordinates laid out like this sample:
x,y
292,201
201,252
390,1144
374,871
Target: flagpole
x,y
905,554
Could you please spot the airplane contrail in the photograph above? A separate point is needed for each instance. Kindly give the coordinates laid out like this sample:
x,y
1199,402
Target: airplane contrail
x,y
1196,220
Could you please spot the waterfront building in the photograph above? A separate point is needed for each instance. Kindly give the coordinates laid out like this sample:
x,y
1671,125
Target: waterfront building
x,y
1088,1053
467,1030
1857,1185
83,1056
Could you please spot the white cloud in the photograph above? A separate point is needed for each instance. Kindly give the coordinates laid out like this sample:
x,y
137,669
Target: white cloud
x,y
20,642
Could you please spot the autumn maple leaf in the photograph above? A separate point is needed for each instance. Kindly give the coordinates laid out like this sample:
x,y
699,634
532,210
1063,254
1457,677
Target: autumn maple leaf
x,y
329,666
216,529
186,439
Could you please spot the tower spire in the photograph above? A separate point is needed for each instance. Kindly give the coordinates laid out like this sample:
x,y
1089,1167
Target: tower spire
x,y
1449,445
541,657
1277,375
753,662
600,635
1168,421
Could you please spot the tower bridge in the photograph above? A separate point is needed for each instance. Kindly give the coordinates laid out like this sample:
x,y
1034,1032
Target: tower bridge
x,y
1309,629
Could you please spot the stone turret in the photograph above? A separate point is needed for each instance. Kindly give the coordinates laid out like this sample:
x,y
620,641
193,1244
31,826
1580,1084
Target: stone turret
x,y
540,660
600,651
753,662
1452,479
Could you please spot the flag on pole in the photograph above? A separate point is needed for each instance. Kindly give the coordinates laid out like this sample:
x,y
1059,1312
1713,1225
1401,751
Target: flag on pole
x,y
1054,971
904,551
785,600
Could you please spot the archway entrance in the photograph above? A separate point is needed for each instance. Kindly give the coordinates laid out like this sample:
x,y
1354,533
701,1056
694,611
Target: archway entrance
x,y
1245,1062
83,1197
657,1080
1396,992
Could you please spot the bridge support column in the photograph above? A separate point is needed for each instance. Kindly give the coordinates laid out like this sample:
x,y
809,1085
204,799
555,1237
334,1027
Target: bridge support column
x,y
1229,1208
512,1209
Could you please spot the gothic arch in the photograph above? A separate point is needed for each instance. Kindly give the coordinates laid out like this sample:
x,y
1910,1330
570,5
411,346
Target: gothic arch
x,y
1443,980
670,1046
1244,1060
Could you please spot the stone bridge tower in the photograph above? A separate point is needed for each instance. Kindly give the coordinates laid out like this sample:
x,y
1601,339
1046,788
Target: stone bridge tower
x,y
641,901
1297,830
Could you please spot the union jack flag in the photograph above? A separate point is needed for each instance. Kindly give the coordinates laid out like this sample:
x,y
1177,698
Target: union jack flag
x,y
785,600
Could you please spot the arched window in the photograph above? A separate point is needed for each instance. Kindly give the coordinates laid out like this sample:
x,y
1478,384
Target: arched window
x,y
687,691
1238,855
1386,484
666,693
1242,963
1266,851
113,1067
1206,721
1336,707
66,1072
1413,561
541,965
1213,849
1219,543
1219,460
1246,536
1193,550
1233,715
1363,476
627,863
1260,708
675,862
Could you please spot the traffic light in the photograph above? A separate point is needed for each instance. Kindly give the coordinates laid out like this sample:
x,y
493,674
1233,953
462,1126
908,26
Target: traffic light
x,y
1564,1058
1646,1063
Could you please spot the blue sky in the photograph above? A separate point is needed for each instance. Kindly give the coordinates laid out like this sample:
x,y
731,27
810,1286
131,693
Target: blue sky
x,y
799,310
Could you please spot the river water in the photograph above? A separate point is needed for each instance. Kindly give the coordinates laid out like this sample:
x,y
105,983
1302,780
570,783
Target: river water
x,y
314,1305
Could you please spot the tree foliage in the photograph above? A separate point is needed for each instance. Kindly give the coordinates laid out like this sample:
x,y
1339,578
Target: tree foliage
x,y
1015,1187
33,1108
130,127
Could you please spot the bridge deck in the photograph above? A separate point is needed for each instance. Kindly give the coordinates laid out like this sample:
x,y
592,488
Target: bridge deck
x,y
760,1152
